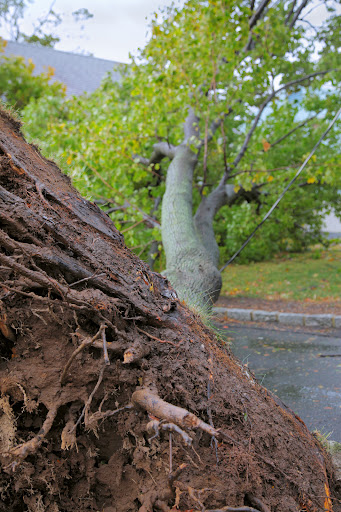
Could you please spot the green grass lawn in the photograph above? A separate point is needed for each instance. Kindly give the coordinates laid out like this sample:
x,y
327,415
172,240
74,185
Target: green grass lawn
x,y
315,275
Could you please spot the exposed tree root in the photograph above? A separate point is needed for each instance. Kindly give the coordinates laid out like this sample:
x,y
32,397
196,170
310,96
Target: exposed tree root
x,y
155,426
158,339
88,403
86,343
171,413
64,269
19,453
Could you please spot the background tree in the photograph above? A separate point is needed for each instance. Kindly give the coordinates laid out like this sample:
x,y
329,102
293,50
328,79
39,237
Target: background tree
x,y
217,112
12,14
19,85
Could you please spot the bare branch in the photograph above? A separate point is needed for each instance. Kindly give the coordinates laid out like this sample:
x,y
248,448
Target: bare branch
x,y
297,13
258,13
310,24
261,110
292,131
290,13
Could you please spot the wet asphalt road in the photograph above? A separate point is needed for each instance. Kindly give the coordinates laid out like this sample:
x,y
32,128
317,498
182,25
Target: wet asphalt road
x,y
289,364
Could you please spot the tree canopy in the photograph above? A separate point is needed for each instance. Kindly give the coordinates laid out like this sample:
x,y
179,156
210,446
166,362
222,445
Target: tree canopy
x,y
261,83
19,85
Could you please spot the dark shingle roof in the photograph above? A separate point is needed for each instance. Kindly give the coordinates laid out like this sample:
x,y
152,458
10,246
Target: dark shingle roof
x,y
78,72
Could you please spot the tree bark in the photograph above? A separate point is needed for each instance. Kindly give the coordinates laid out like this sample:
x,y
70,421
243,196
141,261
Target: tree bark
x,y
204,216
114,396
190,267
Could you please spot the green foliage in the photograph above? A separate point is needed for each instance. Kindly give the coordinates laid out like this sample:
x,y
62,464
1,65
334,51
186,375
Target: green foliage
x,y
18,84
196,57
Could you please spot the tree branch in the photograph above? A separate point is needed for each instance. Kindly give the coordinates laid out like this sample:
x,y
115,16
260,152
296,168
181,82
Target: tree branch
x,y
297,13
191,126
161,150
284,191
258,13
292,131
292,8
261,110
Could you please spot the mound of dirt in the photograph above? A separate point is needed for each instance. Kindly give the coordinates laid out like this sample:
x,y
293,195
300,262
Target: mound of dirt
x,y
114,396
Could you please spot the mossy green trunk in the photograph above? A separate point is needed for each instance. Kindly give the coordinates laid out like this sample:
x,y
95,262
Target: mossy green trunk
x,y
190,267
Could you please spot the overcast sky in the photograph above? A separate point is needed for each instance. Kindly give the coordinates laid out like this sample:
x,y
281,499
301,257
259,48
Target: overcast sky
x,y
117,28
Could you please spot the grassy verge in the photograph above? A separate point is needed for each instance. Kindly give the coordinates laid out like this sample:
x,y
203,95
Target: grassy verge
x,y
315,275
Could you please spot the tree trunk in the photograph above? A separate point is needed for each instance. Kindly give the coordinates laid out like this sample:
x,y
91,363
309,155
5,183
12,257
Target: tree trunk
x,y
190,267
204,216
114,397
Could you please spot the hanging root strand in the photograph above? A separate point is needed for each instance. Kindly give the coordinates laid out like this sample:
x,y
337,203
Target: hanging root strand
x,y
88,403
86,343
20,452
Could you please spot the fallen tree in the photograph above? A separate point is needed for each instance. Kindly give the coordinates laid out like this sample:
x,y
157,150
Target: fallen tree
x,y
114,395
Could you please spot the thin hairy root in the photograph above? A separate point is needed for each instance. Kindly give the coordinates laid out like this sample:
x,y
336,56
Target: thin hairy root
x,y
86,343
105,345
190,491
88,403
155,426
94,276
209,413
23,450
68,436
170,413
107,414
175,474
158,339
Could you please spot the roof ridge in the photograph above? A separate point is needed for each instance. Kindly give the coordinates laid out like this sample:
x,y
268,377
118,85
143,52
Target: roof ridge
x,y
47,49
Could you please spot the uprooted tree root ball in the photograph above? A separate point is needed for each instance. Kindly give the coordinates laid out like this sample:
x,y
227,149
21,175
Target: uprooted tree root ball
x,y
114,396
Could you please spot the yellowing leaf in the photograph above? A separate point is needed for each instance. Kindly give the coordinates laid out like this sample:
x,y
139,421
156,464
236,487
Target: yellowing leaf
x,y
50,71
311,180
31,63
270,178
236,189
266,145
69,160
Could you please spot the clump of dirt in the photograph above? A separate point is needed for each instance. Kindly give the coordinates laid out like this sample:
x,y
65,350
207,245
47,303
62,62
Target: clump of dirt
x,y
114,396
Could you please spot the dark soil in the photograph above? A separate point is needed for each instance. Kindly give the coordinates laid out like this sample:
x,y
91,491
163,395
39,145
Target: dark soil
x,y
71,436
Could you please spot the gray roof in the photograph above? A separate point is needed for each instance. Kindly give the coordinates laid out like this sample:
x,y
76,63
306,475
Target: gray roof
x,y
79,73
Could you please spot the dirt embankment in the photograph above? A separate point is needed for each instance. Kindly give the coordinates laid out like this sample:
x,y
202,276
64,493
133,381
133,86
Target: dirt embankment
x,y
114,396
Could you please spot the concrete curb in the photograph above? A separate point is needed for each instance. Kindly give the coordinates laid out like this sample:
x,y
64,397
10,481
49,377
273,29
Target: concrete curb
x,y
255,315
